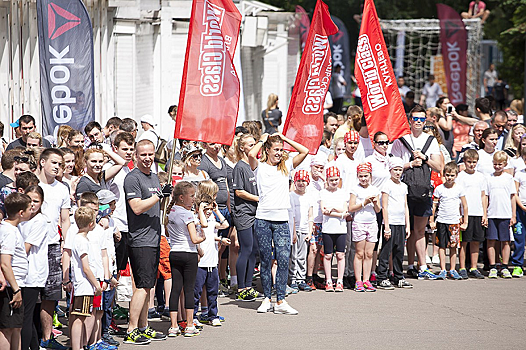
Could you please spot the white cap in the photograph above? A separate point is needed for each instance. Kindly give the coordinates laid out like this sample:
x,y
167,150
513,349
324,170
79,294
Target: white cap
x,y
147,118
318,159
395,162
106,196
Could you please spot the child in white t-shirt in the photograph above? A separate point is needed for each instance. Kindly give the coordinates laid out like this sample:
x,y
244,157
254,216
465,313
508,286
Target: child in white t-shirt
x,y
448,197
365,203
334,207
501,206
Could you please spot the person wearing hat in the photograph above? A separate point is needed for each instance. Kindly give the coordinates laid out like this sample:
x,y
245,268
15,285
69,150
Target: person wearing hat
x,y
26,125
191,156
149,133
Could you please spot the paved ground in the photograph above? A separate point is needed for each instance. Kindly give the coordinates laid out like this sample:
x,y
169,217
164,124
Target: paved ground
x,y
472,314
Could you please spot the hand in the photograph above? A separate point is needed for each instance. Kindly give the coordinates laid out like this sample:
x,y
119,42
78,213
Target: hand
x,y
407,233
117,236
98,291
104,286
387,235
166,190
416,163
485,221
114,283
418,155
294,238
264,137
226,241
3,282
202,206
432,225
105,223
308,237
464,226
17,300
513,221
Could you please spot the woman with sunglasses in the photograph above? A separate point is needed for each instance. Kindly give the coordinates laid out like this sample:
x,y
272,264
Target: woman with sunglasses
x,y
191,155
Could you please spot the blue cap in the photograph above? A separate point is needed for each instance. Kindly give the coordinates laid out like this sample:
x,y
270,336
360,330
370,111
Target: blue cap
x,y
15,124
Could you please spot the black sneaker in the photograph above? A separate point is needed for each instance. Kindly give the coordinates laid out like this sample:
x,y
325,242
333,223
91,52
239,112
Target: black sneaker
x,y
109,339
476,274
136,337
404,284
412,273
153,315
152,334
463,273
346,283
245,295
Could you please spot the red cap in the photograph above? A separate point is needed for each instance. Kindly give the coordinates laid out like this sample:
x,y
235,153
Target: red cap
x,y
351,135
332,172
364,167
301,175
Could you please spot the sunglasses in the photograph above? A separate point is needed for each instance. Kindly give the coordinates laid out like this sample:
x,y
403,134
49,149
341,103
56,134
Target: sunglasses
x,y
382,143
21,159
95,145
429,128
419,119
196,156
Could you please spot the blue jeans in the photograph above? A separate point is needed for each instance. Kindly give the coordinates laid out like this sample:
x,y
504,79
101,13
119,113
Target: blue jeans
x,y
108,297
267,234
209,277
519,232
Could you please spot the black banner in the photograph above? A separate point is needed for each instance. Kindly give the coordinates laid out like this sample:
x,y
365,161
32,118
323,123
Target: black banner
x,y
65,39
340,51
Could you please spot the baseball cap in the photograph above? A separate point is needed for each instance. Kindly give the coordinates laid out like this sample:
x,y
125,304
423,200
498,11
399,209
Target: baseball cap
x,y
15,124
106,196
147,118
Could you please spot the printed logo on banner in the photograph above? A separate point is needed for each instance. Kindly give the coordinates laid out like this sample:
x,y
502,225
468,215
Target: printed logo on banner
x,y
318,81
453,54
56,14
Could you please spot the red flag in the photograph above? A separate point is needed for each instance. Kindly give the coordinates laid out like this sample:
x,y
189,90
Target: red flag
x,y
304,123
382,105
209,99
304,23
454,40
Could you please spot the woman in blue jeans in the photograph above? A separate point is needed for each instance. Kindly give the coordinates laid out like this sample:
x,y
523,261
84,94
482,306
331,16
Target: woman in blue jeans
x,y
271,226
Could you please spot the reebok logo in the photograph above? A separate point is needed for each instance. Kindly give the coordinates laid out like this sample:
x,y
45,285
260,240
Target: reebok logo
x,y
59,21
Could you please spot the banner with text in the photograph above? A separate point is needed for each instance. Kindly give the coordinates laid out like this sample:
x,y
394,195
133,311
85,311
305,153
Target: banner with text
x,y
210,88
341,51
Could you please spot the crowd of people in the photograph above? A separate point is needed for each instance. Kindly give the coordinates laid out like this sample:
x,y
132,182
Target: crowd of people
x,y
80,208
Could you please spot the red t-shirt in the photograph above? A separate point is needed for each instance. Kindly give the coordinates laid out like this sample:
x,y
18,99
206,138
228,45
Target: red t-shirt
x,y
475,9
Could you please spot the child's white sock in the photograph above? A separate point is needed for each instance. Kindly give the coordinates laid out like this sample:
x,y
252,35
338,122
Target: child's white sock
x,y
423,268
329,281
339,281
233,280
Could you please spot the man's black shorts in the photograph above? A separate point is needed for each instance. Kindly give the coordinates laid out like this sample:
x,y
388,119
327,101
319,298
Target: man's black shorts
x,y
144,262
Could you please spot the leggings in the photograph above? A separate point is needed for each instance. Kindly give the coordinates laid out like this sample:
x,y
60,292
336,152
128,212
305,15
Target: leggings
x,y
29,333
334,239
184,271
247,256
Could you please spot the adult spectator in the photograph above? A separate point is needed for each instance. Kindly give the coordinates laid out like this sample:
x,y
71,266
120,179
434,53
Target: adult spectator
x,y
62,135
148,125
143,196
499,120
26,125
513,119
483,109
409,102
419,210
354,116
490,77
462,124
500,92
445,122
272,115
129,125
328,102
512,144
518,107
431,92
478,129
402,88
337,88
34,140
111,125
8,165
75,139
330,120
93,131
477,9
191,156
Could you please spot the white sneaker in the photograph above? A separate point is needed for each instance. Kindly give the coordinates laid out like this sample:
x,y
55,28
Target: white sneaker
x,y
216,322
435,260
265,306
428,259
284,308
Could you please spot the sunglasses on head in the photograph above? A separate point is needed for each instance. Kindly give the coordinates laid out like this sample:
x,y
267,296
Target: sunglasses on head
x,y
419,119
382,143
429,128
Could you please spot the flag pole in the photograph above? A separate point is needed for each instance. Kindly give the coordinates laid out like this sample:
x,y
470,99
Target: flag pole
x,y
166,200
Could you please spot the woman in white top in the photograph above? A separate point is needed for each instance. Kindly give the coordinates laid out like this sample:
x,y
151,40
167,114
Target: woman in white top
x,y
488,142
271,226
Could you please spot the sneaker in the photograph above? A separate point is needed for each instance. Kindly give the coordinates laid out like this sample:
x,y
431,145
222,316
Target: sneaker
x,y
404,284
202,318
233,289
191,332
153,315
385,284
372,279
493,273
59,312
339,287
165,315
102,345
152,334
427,275
359,287
517,272
221,318
435,260
442,275
265,306
463,273
453,274
289,290
198,324
109,340
216,322
428,260
412,273
120,313
310,283
52,344
329,287
369,286
174,332
245,295
474,273
136,337
347,282
182,325
304,287
505,273
116,330
255,293
285,309
294,285
56,332
56,322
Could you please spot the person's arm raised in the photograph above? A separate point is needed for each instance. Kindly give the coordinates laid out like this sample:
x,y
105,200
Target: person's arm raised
x,y
253,153
302,150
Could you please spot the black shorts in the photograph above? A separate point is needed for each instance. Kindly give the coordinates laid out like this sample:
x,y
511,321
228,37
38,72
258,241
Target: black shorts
x,y
420,208
144,262
474,232
121,251
443,236
53,288
10,317
330,240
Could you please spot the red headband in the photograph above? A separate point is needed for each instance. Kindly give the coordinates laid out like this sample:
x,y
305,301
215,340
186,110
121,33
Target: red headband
x,y
301,175
351,136
364,167
332,172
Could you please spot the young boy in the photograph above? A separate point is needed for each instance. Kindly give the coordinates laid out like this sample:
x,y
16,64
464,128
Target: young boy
x,y
14,267
397,228
474,185
447,198
85,284
501,206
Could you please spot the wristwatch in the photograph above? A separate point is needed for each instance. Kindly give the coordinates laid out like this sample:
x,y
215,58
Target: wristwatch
x,y
66,283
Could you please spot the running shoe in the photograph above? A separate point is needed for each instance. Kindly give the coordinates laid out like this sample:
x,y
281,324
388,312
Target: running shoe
x,y
474,273
369,287
505,273
255,293
442,275
56,322
116,330
102,345
52,344
153,315
291,290
285,309
174,332
265,306
404,284
294,285
202,318
198,324
120,313
152,334
517,272
304,287
191,332
329,287
339,287
453,274
359,287
310,283
372,279
109,339
221,318
386,285
136,337
463,273
165,315
245,295
426,275
493,273
412,273
56,332
59,312
216,322
182,325
232,289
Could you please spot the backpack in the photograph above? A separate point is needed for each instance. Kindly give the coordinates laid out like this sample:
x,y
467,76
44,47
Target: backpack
x,y
161,153
418,179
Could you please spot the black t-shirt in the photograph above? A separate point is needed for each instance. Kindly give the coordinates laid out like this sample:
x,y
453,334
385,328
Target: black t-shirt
x,y
219,176
498,91
274,116
144,229
4,180
230,181
86,184
20,143
244,211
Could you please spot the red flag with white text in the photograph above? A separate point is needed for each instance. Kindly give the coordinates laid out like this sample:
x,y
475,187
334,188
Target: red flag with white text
x,y
209,98
382,104
304,123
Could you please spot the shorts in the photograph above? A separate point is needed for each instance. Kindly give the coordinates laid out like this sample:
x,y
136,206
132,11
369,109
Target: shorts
x,y
144,263
420,208
82,305
368,232
121,251
444,234
224,232
164,260
498,230
474,232
334,239
53,288
97,300
317,236
9,317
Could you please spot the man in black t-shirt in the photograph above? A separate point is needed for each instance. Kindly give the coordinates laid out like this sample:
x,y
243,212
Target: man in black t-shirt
x,y
26,126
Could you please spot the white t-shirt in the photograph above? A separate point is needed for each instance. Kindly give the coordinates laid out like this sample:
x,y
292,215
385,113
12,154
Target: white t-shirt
x,y
432,93
485,163
397,201
273,189
178,235
417,143
380,166
517,164
81,284
69,242
366,215
499,190
56,198
347,169
97,242
449,203
299,207
315,188
209,245
110,246
339,200
12,243
473,185
520,178
116,185
35,232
